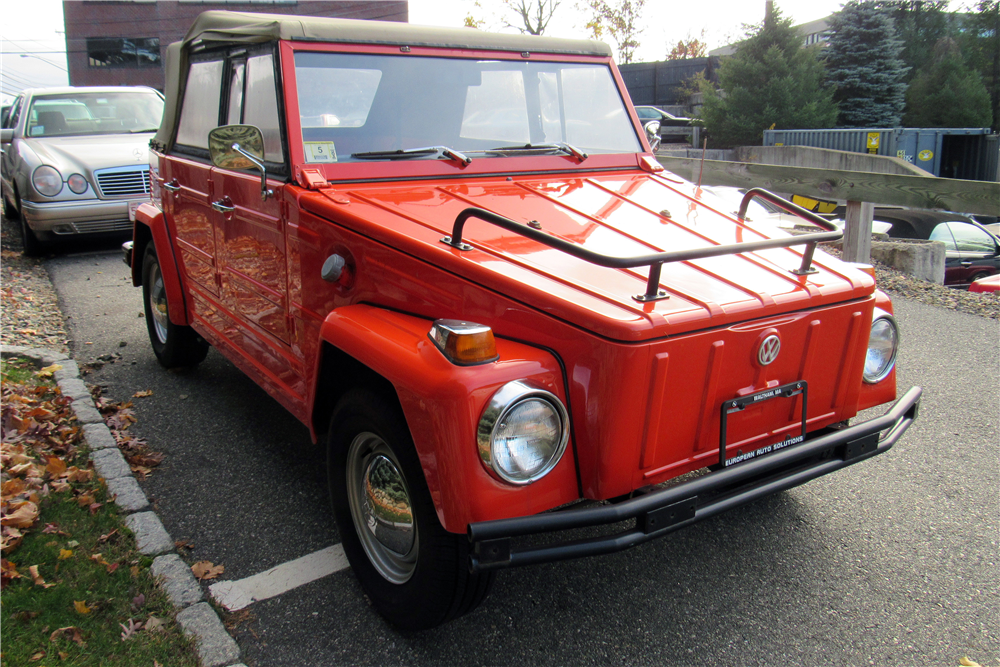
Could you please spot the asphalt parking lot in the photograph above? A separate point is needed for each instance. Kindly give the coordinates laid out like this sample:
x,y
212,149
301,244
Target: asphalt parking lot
x,y
892,562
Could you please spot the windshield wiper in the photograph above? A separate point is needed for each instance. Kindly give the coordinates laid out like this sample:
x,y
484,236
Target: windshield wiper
x,y
407,153
144,129
569,149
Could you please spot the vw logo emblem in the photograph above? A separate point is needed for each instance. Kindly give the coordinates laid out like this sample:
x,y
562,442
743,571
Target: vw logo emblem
x,y
769,349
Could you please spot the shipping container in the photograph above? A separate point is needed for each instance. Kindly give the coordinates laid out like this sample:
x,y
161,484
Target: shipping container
x,y
966,153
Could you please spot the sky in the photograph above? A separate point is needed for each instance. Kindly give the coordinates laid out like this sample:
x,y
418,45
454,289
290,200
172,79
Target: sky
x,y
35,29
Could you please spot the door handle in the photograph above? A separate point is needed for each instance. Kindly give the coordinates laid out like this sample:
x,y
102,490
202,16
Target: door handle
x,y
172,186
967,263
223,205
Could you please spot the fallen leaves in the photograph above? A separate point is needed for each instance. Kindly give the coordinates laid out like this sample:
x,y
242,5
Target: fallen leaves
x,y
36,577
143,394
74,635
81,607
204,569
38,442
48,371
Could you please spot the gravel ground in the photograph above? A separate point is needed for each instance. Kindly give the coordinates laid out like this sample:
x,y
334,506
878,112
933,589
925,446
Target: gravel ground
x,y
30,313
29,310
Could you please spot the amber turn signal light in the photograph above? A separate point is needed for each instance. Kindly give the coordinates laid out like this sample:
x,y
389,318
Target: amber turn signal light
x,y
864,268
464,343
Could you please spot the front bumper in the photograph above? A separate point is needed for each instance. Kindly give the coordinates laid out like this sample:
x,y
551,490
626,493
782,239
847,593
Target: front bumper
x,y
663,511
77,217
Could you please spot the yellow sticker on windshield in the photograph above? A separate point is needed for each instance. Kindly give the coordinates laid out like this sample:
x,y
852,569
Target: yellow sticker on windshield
x,y
320,151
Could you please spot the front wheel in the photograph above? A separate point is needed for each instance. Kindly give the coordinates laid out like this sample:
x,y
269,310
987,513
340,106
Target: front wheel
x,y
413,570
174,345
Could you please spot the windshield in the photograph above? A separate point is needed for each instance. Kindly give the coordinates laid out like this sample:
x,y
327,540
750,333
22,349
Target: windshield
x,y
71,114
356,107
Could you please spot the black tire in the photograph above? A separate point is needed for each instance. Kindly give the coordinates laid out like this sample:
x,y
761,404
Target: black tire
x,y
174,345
979,276
30,245
422,580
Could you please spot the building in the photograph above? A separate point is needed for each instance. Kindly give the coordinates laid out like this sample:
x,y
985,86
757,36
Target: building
x,y
121,42
813,32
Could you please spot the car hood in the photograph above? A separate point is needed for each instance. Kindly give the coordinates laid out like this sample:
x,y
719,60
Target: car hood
x,y
90,153
621,214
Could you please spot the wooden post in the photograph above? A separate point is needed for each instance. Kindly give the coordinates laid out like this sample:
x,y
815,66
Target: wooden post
x,y
858,232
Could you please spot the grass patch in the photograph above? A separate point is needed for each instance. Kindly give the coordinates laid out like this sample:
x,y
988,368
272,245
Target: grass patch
x,y
75,590
20,371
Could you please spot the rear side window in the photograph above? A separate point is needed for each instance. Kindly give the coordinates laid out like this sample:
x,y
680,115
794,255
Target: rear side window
x,y
200,111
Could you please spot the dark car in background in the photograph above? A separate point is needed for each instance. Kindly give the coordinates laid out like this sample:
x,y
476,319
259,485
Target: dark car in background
x,y
669,123
971,251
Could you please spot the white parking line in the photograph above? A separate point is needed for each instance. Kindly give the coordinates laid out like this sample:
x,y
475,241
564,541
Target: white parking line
x,y
235,595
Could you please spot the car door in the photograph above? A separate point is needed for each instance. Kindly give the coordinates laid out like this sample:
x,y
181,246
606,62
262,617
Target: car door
x,y
251,226
186,185
979,255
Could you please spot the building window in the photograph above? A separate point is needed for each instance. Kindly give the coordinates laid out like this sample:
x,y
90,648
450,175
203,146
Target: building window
x,y
123,52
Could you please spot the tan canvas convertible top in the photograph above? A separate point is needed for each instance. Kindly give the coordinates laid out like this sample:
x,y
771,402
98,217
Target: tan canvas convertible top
x,y
247,28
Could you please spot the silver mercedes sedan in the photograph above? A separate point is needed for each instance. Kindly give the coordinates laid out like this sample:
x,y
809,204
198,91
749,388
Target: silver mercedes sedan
x,y
75,160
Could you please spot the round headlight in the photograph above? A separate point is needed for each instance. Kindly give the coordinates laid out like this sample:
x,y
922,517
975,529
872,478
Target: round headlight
x,y
522,433
882,345
77,183
47,181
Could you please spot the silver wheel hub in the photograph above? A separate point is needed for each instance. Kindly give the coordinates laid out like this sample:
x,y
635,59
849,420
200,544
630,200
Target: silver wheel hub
x,y
158,303
381,508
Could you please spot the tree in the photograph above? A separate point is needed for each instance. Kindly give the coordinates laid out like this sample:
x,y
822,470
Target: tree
x,y
534,15
622,19
919,24
863,63
692,47
947,92
771,80
980,43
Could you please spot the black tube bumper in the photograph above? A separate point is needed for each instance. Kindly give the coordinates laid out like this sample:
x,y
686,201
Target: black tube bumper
x,y
663,511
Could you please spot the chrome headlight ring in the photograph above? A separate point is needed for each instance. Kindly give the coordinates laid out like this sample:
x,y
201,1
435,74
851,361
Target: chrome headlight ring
x,y
522,433
883,344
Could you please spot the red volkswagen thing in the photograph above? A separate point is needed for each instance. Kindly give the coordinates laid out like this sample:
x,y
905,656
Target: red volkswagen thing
x,y
452,255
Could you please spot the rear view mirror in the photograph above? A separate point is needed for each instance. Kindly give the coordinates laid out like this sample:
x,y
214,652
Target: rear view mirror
x,y
239,147
220,146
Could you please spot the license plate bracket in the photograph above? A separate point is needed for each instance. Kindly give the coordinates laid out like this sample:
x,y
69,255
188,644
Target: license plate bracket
x,y
735,405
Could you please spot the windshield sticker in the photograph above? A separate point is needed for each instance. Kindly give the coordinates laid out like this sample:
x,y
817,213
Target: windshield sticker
x,y
320,151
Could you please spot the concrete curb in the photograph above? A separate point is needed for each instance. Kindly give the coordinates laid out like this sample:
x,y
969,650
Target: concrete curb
x,y
216,648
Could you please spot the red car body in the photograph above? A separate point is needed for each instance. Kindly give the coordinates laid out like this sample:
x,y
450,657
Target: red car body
x,y
645,368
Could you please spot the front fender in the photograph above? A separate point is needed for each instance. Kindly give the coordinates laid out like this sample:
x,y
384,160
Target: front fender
x,y
442,404
152,219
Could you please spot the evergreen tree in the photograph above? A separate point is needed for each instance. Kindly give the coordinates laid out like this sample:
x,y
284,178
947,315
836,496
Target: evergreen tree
x,y
771,81
863,63
948,93
919,25
980,42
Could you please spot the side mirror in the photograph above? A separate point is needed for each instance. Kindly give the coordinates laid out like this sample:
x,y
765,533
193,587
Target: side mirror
x,y
653,134
239,147
6,135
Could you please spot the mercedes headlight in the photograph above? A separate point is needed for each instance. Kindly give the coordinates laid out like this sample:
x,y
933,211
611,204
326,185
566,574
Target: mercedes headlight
x,y
522,433
47,180
883,342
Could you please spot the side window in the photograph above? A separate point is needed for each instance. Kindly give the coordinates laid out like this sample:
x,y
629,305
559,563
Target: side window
x,y
234,115
969,238
200,110
942,233
260,107
15,113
